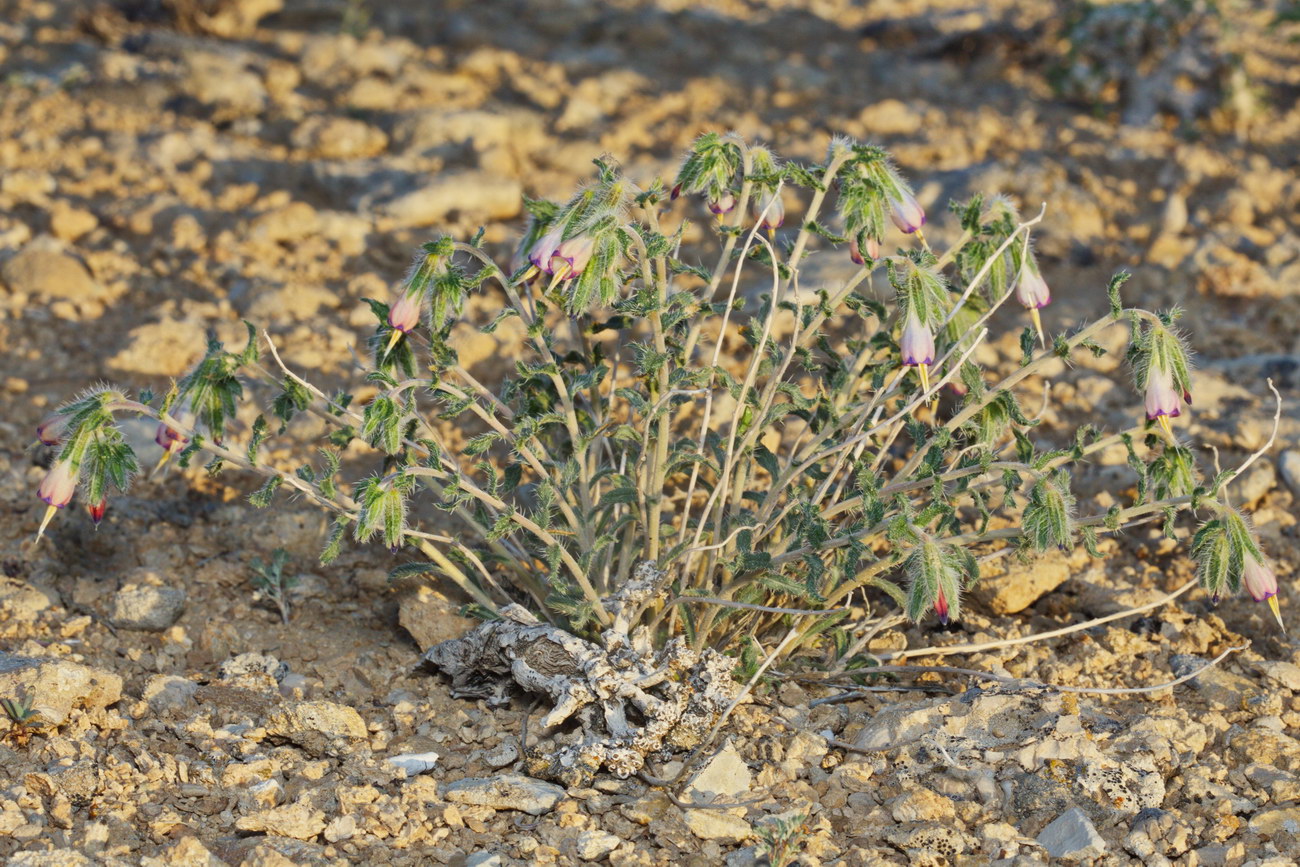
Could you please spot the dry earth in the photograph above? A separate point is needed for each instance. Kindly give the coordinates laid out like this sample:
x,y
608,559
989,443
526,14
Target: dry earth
x,y
170,166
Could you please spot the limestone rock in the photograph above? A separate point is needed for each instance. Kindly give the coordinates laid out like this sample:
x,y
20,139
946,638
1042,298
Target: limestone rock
x,y
147,608
505,792
21,601
56,686
717,825
316,725
477,194
1023,584
415,763
296,820
594,845
1072,836
165,691
1289,465
725,776
42,271
339,138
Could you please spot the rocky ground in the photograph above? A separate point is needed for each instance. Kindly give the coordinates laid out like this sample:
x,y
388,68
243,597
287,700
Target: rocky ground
x,y
166,167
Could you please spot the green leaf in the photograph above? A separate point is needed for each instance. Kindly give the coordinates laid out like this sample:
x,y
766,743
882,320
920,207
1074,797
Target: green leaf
x,y
261,498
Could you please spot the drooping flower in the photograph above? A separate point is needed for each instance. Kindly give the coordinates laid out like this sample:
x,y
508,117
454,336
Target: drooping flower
x,y
60,482
917,347
1162,400
544,250
769,211
906,212
52,428
56,489
723,205
1033,293
172,439
403,317
1261,583
571,257
917,344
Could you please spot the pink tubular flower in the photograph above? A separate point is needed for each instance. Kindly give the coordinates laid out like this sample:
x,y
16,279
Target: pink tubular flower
x,y
1261,584
169,437
57,487
917,344
1259,579
1032,292
544,250
51,430
1031,289
1162,400
571,257
724,205
404,315
907,213
769,210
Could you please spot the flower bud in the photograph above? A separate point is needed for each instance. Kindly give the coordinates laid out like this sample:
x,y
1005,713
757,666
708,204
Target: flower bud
x,y
97,510
872,251
917,344
769,210
57,487
724,205
572,256
941,607
907,213
51,430
677,191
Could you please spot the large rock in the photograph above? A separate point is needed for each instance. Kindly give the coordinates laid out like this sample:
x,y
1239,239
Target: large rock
x,y
505,792
316,725
21,601
298,821
1072,837
149,608
430,617
717,825
339,138
477,194
1010,586
42,271
56,686
725,776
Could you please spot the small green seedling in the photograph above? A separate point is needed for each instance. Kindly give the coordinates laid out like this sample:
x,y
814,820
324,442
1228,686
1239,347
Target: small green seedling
x,y
270,584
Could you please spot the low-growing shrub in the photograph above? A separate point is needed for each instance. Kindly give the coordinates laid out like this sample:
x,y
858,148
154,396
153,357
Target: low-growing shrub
x,y
783,452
